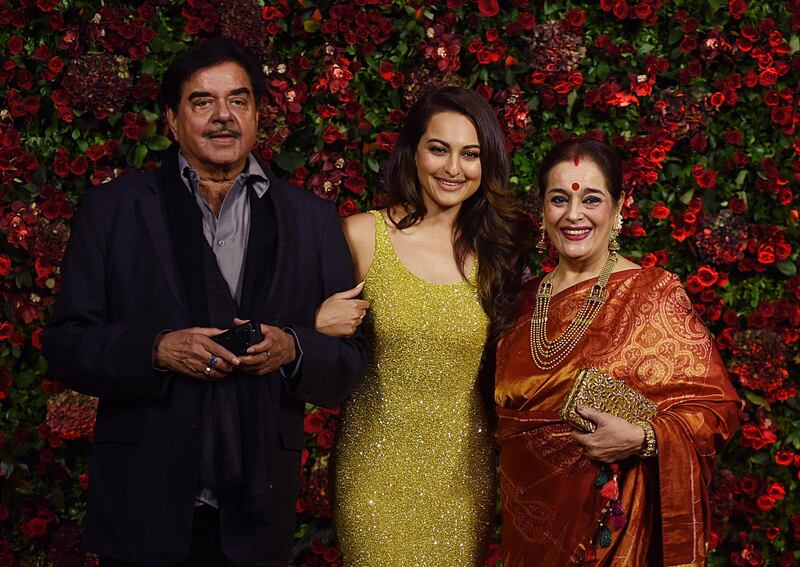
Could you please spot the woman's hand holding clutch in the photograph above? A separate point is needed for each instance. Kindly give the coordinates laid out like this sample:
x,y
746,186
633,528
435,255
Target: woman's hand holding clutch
x,y
614,439
341,313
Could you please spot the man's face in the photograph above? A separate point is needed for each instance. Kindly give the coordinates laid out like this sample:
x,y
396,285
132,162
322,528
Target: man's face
x,y
216,120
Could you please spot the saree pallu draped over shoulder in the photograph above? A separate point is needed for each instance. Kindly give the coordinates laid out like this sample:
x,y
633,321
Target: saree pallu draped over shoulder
x,y
648,335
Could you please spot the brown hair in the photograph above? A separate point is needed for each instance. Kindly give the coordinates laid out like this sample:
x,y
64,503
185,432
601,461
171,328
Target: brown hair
x,y
488,222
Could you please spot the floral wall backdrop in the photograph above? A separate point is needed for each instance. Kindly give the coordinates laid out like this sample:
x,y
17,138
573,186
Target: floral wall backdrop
x,y
702,97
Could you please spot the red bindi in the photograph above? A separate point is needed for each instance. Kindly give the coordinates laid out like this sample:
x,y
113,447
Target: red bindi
x,y
577,159
575,186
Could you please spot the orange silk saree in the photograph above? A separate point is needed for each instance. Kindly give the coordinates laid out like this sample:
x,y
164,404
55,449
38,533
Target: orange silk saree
x,y
648,335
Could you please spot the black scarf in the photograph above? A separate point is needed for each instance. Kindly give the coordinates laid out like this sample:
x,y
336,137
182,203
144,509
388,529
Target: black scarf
x,y
235,464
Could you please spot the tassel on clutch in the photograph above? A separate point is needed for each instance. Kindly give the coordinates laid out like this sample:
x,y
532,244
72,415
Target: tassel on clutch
x,y
601,392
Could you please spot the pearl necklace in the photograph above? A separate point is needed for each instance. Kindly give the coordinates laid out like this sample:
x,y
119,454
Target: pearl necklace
x,y
546,354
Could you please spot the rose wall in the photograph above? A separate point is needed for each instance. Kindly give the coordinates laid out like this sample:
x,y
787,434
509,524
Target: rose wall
x,y
701,96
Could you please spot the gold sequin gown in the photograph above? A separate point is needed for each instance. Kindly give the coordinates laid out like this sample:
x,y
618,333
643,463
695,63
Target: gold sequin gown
x,y
414,464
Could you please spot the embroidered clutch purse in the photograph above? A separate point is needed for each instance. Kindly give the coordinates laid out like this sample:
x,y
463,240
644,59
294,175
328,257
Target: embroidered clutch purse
x,y
601,392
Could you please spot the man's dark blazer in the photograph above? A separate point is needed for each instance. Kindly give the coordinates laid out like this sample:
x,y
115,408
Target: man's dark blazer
x,y
120,288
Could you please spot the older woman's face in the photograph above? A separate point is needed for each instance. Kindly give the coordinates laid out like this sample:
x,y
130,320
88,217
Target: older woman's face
x,y
579,211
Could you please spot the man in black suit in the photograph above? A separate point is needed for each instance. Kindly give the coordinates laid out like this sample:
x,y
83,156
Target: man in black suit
x,y
196,452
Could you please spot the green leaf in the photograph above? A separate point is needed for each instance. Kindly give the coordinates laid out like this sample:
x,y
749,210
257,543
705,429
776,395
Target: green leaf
x,y
756,399
741,177
787,268
602,70
571,98
675,35
159,143
25,378
311,25
794,44
686,197
373,164
139,154
645,48
289,161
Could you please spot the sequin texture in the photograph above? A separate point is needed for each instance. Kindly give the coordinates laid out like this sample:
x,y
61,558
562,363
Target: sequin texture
x,y
414,462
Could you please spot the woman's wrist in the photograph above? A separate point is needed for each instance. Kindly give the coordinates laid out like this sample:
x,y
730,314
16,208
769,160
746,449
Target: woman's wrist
x,y
649,447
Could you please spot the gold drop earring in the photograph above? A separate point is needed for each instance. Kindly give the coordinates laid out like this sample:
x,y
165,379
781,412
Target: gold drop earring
x,y
613,244
541,246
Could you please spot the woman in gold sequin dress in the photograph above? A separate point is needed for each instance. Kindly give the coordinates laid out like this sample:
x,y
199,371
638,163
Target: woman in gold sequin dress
x,y
414,462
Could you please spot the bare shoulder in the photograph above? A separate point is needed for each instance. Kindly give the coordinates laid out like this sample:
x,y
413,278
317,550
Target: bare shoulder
x,y
359,230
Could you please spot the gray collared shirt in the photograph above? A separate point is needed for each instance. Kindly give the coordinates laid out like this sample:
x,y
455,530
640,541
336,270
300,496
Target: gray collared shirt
x,y
227,234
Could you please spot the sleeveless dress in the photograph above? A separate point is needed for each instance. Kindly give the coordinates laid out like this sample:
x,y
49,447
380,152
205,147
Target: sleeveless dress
x,y
414,463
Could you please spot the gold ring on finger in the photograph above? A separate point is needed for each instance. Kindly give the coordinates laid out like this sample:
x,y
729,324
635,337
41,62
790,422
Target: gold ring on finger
x,y
207,371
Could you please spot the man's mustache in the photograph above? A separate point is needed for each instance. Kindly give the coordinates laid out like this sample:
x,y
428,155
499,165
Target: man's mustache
x,y
222,132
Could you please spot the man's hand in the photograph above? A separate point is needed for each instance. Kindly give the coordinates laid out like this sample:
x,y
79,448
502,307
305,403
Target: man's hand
x,y
277,349
191,352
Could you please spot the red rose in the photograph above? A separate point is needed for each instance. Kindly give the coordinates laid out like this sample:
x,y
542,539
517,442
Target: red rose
x,y
36,338
56,64
6,330
708,276
484,56
717,99
386,70
34,528
750,482
768,77
14,44
648,260
386,141
488,8
707,179
660,211
643,11
484,90
95,152
765,503
356,184
78,166
737,8
575,18
620,9
325,438
698,143
347,207
313,422
5,265
766,254
331,135
776,491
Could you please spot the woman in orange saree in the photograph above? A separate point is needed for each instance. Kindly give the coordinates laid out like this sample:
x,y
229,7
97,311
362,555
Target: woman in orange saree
x,y
622,495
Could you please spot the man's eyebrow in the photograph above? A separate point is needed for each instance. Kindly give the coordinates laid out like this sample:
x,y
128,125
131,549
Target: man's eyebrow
x,y
204,94
199,94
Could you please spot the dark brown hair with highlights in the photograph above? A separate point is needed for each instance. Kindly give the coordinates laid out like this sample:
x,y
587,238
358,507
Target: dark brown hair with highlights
x,y
488,223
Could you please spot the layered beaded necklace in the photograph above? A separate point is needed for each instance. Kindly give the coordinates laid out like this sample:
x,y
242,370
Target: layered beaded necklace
x,y
546,354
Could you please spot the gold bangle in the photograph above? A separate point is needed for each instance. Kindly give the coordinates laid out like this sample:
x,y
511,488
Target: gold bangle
x,y
650,446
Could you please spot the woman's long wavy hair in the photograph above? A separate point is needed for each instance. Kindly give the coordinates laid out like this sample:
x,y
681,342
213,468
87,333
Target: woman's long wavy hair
x,y
488,223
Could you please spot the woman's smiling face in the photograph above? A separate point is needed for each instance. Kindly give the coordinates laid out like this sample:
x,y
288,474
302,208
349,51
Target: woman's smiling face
x,y
448,159
579,211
